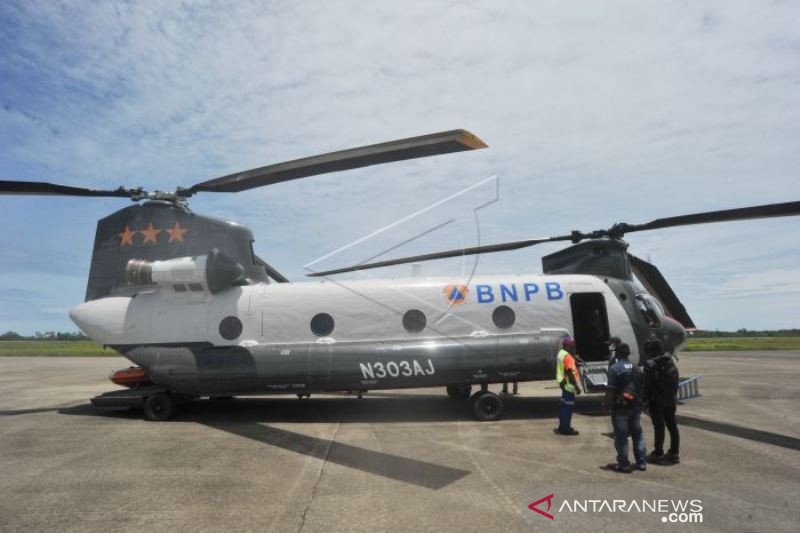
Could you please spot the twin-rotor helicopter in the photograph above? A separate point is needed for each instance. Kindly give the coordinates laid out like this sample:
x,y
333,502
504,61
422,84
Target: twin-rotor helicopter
x,y
186,299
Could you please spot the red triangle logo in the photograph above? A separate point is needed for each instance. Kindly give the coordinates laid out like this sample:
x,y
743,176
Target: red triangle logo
x,y
549,500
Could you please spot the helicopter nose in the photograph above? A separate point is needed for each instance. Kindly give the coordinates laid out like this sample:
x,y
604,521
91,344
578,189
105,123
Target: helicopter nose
x,y
102,320
676,334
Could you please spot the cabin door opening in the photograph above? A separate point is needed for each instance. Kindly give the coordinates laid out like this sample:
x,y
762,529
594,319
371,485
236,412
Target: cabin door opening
x,y
590,325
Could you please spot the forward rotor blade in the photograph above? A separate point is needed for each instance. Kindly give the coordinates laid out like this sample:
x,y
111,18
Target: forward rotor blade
x,y
727,215
42,188
271,272
375,154
657,285
487,249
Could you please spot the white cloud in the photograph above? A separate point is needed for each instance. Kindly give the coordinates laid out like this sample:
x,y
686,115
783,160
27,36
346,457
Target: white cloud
x,y
603,112
764,283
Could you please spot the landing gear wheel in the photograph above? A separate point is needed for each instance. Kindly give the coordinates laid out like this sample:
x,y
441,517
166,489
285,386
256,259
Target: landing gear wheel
x,y
460,391
487,406
159,407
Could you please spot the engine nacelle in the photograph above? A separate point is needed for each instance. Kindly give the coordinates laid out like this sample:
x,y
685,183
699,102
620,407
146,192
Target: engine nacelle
x,y
215,271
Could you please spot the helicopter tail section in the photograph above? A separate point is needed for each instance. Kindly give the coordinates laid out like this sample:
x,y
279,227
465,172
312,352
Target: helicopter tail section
x,y
163,231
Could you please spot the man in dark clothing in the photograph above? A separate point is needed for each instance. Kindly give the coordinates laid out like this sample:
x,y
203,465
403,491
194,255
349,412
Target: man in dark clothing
x,y
612,343
661,386
624,395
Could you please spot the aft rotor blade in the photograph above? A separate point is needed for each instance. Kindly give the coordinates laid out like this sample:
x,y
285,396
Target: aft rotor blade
x,y
657,285
42,188
375,154
727,215
475,250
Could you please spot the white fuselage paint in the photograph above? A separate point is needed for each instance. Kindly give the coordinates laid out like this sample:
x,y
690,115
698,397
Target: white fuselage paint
x,y
280,313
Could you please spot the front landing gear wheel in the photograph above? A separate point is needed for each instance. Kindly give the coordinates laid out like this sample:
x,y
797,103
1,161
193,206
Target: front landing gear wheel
x,y
487,406
460,391
159,407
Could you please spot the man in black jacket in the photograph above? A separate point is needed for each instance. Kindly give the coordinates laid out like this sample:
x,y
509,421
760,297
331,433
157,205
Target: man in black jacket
x,y
661,389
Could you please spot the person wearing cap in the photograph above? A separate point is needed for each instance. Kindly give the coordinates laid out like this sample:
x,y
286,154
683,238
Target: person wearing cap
x,y
568,379
624,396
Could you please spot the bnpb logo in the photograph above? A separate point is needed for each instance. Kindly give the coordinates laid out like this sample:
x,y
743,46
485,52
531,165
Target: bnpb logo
x,y
456,294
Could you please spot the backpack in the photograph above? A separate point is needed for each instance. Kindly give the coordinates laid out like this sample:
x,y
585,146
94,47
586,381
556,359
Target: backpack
x,y
631,393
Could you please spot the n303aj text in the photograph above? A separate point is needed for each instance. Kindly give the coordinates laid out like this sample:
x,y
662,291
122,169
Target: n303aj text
x,y
396,369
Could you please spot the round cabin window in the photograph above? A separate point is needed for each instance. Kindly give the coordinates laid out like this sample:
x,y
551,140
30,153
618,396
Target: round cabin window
x,y
503,317
230,328
414,321
322,324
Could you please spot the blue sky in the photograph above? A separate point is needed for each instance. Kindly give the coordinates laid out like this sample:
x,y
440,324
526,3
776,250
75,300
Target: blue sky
x,y
595,113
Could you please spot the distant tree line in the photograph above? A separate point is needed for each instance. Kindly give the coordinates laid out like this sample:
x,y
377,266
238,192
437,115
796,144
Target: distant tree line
x,y
744,332
44,336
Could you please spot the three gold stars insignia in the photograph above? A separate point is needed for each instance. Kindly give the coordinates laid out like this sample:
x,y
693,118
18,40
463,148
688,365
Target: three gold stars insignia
x,y
150,234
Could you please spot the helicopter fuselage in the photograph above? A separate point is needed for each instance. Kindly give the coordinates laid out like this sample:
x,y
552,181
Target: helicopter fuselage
x,y
357,335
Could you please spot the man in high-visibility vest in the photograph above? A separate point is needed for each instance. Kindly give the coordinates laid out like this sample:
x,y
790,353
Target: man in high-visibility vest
x,y
568,379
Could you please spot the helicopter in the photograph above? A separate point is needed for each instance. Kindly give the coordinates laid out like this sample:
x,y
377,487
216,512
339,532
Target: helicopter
x,y
184,297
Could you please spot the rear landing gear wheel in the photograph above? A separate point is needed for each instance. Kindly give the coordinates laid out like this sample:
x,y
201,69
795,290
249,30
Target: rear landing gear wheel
x,y
159,407
460,391
487,406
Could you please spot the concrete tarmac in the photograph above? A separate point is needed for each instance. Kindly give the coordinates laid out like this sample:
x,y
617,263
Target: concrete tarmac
x,y
409,460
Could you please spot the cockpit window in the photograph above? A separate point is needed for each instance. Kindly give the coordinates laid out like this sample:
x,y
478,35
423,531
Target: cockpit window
x,y
650,310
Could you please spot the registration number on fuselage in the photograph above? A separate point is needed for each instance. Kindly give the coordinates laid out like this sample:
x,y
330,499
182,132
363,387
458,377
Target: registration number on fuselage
x,y
395,369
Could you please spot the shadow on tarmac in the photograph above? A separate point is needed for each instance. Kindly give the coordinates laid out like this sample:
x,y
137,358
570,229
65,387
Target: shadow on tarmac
x,y
248,417
52,409
15,412
349,409
416,472
766,437
389,408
